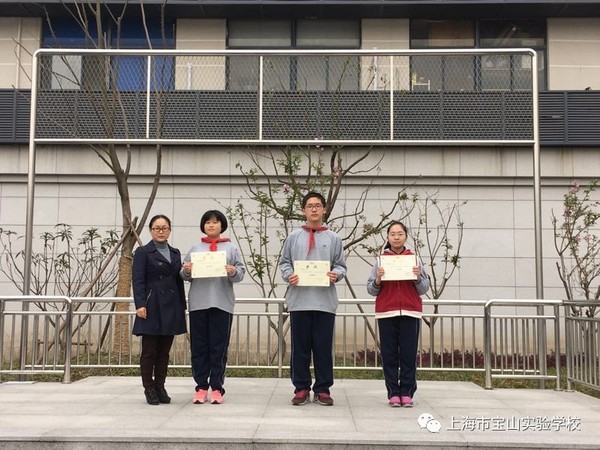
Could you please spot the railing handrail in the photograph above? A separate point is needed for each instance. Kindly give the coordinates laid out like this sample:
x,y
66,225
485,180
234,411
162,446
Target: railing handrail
x,y
522,302
284,52
581,303
275,300
36,298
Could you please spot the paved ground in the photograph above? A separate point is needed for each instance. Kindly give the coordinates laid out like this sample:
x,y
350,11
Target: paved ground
x,y
110,412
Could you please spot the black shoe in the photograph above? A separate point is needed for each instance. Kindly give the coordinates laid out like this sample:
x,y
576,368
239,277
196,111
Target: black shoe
x,y
163,397
152,396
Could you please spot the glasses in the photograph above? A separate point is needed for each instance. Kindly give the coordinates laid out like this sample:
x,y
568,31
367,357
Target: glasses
x,y
397,235
160,229
315,207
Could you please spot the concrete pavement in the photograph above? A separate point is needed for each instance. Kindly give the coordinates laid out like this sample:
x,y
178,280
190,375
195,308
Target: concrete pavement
x,y
111,412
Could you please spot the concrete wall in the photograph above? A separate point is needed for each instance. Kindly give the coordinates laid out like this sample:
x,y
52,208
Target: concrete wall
x,y
19,38
574,53
74,187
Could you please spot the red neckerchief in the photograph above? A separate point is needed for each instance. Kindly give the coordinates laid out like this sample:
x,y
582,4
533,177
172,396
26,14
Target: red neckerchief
x,y
311,235
213,242
389,251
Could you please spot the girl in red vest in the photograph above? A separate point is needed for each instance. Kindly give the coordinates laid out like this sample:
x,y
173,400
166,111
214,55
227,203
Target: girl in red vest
x,y
398,310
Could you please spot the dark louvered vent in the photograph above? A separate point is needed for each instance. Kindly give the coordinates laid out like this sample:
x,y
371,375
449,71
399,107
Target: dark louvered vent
x,y
583,117
566,117
552,117
14,115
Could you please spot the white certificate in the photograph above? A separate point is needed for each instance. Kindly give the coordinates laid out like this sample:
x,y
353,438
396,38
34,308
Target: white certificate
x,y
312,273
398,267
209,264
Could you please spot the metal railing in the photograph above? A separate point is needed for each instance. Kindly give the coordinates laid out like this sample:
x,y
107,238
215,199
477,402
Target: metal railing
x,y
442,96
455,336
516,345
582,335
41,345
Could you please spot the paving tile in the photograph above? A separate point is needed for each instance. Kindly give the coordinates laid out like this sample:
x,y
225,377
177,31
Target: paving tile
x,y
257,411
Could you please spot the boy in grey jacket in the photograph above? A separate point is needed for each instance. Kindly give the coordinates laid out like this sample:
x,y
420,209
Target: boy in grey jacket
x,y
312,308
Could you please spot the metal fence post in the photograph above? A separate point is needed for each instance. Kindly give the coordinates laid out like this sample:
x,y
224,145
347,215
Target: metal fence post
x,y
1,335
557,353
68,344
24,340
542,346
280,340
569,347
487,343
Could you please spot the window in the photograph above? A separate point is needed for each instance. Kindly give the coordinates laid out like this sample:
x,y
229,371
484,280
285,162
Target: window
x,y
128,72
282,73
512,72
442,33
243,70
490,72
435,73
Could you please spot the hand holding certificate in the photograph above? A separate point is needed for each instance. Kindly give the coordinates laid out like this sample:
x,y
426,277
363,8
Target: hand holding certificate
x,y
312,273
398,267
209,264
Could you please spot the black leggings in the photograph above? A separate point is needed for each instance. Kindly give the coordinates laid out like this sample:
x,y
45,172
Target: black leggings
x,y
155,360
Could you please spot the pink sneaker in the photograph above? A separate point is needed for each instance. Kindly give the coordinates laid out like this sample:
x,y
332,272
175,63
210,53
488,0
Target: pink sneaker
x,y
200,396
406,401
395,401
216,398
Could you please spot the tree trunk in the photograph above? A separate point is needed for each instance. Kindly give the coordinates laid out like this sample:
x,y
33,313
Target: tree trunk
x,y
122,324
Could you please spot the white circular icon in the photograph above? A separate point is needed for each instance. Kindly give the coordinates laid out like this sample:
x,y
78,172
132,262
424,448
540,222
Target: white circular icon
x,y
423,419
434,426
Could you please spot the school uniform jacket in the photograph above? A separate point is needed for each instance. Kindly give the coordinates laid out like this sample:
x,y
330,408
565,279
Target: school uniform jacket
x,y
398,297
328,247
217,292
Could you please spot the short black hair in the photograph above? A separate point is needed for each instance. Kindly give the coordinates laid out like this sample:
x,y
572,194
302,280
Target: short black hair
x,y
159,216
213,214
313,194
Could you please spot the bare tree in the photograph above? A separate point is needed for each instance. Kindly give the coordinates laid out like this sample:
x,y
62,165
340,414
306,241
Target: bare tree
x,y
64,266
93,81
276,183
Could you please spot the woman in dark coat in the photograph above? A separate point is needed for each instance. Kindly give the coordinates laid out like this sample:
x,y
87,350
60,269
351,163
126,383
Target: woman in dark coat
x,y
160,306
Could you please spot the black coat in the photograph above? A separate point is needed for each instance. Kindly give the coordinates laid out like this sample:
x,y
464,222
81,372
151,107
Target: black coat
x,y
158,287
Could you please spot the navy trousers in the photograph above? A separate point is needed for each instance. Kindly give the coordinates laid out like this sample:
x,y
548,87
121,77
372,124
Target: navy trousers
x,y
312,333
399,338
154,360
209,338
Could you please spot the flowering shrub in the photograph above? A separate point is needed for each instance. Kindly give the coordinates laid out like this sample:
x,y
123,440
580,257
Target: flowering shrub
x,y
578,245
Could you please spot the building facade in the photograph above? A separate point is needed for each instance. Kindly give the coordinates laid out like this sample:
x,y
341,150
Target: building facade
x,y
497,254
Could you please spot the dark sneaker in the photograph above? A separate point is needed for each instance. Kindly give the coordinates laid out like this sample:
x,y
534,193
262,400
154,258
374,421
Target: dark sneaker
x,y
163,396
407,402
151,396
302,397
323,398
